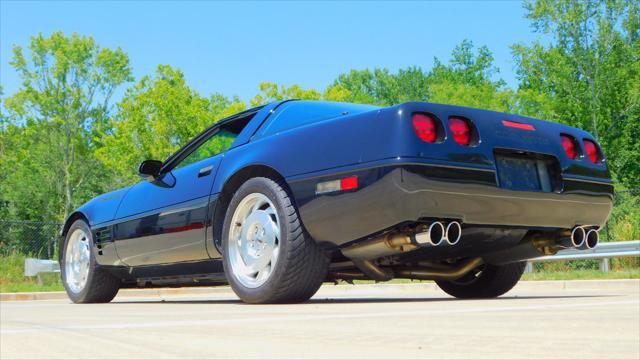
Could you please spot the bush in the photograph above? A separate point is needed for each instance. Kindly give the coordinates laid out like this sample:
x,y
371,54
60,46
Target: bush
x,y
624,223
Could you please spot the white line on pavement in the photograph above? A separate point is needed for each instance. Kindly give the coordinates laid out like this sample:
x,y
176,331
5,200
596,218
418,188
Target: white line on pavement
x,y
232,321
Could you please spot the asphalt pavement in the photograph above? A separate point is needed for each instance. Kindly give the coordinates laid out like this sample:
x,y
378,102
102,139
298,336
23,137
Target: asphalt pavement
x,y
597,320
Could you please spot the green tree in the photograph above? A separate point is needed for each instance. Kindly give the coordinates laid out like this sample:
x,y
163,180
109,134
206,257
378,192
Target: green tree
x,y
468,80
465,67
336,93
155,118
4,156
270,92
381,87
55,122
588,74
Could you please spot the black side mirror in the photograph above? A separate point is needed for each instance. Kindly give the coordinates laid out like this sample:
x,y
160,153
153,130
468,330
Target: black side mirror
x,y
150,169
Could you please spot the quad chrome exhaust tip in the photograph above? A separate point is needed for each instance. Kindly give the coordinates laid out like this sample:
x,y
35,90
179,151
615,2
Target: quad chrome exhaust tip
x,y
439,234
592,239
435,235
582,238
453,233
578,236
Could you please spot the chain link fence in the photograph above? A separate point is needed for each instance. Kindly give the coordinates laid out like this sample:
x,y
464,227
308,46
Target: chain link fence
x,y
31,238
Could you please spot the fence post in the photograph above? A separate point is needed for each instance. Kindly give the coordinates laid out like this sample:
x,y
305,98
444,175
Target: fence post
x,y
529,267
604,265
49,248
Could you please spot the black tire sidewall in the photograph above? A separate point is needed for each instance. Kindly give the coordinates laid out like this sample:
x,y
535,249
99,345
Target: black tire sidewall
x,y
272,191
494,281
82,295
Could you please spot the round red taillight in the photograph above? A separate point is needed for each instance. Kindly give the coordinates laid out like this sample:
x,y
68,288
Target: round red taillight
x,y
592,151
425,127
460,130
569,145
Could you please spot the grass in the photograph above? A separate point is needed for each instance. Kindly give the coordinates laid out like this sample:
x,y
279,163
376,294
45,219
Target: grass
x,y
582,275
12,277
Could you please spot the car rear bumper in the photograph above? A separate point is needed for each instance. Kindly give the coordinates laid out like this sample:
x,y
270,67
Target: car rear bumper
x,y
389,195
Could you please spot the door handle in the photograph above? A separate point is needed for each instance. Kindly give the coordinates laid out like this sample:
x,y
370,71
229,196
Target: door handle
x,y
205,171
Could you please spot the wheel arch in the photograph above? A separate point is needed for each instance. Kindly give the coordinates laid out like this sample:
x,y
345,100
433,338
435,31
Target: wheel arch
x,y
76,215
230,186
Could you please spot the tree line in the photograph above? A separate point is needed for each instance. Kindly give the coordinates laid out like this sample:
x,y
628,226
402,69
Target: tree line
x,y
63,138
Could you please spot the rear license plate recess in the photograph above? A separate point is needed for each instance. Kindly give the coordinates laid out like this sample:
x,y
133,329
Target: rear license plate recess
x,y
527,171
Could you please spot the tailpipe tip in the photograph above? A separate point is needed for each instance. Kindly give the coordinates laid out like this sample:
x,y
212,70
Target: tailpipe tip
x,y
434,235
592,238
578,236
453,233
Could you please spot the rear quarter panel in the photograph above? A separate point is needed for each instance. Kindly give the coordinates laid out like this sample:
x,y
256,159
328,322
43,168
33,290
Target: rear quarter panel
x,y
307,149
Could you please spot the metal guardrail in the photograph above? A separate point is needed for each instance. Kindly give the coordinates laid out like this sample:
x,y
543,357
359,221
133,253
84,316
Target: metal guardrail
x,y
603,252
36,267
33,267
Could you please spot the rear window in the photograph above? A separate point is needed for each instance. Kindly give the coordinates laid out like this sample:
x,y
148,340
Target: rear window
x,y
293,114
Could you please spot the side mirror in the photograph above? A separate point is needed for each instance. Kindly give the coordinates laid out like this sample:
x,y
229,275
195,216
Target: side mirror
x,y
150,168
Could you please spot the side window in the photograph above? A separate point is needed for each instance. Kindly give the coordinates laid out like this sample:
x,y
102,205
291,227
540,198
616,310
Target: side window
x,y
216,144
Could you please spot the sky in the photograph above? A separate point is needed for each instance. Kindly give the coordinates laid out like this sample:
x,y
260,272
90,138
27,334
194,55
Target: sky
x,y
230,47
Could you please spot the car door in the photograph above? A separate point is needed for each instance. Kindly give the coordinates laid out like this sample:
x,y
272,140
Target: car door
x,y
163,220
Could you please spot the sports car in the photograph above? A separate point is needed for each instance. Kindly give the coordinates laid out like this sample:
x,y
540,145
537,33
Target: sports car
x,y
280,198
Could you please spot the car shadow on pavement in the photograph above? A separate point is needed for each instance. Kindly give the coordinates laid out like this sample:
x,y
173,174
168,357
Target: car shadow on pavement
x,y
355,300
430,299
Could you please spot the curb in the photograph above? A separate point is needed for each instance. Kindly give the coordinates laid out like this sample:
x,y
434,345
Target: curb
x,y
337,290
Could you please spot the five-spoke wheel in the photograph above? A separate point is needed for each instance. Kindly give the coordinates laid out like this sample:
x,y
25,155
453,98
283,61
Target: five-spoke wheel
x,y
268,257
83,279
254,240
77,260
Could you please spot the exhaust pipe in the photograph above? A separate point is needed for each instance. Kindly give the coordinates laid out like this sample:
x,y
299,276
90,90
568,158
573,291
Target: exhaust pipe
x,y
575,240
395,243
386,245
434,235
439,274
539,244
578,236
371,271
453,233
592,238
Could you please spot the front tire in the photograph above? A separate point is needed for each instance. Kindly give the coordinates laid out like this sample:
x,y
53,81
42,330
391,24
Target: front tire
x,y
83,280
268,257
488,281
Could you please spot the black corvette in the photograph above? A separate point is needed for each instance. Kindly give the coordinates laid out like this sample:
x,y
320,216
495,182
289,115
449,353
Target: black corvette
x,y
280,198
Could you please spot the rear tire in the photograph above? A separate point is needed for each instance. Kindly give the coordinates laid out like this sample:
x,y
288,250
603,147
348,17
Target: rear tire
x,y
83,279
268,256
489,281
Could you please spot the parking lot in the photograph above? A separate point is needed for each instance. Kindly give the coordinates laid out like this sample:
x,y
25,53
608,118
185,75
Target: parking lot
x,y
536,320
